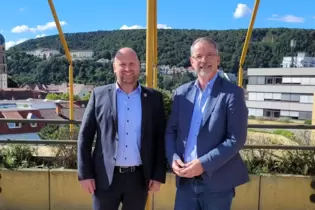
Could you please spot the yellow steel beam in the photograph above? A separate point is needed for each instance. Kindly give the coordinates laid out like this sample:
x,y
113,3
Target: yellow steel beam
x,y
245,48
68,55
150,59
155,46
149,44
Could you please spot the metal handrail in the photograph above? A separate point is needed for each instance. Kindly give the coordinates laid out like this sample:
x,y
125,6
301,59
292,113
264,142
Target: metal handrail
x,y
52,121
74,142
47,121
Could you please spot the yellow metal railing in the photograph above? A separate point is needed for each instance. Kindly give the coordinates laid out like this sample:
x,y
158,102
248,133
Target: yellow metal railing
x,y
245,47
68,55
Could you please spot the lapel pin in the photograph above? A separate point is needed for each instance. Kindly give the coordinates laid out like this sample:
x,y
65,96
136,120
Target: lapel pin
x,y
144,94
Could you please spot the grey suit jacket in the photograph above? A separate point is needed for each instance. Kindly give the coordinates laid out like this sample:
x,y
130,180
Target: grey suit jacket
x,y
222,134
100,118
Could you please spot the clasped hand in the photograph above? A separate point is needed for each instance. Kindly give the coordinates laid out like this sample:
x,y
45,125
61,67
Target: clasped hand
x,y
188,170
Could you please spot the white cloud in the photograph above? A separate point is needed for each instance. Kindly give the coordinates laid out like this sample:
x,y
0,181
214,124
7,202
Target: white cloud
x,y
163,26
125,27
47,26
288,19
241,10
22,9
159,26
40,36
13,43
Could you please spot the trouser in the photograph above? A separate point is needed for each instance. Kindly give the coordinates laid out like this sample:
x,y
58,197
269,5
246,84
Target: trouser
x,y
128,188
194,194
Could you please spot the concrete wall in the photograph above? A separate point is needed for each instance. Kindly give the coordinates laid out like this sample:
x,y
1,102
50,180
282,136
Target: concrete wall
x,y
60,190
288,106
281,71
284,88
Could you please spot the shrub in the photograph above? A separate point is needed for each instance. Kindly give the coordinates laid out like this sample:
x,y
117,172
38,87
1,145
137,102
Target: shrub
x,y
16,156
285,133
308,122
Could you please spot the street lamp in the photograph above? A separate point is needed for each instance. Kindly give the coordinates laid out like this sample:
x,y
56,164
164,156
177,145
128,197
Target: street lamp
x,y
292,45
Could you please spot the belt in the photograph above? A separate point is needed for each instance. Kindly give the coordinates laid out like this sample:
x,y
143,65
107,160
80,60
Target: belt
x,y
127,169
199,178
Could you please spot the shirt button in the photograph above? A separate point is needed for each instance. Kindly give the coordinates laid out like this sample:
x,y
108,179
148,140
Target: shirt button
x,y
127,120
126,133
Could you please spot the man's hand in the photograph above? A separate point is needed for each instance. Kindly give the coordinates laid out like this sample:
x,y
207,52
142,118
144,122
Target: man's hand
x,y
88,185
192,169
177,167
154,186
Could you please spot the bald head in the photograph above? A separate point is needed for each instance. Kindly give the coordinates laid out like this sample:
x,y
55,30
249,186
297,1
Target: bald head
x,y
126,66
125,52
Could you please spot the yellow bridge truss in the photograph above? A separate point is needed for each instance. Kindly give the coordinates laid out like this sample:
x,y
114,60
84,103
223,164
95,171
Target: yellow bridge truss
x,y
151,55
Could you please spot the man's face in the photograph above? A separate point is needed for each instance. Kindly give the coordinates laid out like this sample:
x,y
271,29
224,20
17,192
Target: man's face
x,y
204,59
127,67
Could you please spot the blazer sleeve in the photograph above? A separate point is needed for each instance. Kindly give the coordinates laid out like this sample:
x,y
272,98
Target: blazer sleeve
x,y
171,131
159,172
236,133
85,141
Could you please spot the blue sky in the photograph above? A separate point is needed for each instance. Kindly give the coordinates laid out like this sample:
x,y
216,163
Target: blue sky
x,y
28,19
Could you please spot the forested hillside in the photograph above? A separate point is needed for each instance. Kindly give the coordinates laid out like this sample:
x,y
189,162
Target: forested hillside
x,y
266,49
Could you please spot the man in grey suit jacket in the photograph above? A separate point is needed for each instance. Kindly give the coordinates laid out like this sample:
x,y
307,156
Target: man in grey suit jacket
x,y
206,130
128,160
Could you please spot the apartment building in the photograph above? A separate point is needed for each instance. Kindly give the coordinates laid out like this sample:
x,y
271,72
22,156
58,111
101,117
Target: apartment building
x,y
300,60
281,92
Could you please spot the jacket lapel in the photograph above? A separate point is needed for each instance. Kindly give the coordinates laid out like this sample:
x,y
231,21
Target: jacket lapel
x,y
213,98
112,98
145,114
189,109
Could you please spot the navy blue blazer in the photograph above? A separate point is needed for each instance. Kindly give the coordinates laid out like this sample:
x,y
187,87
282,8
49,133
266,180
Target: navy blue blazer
x,y
222,134
100,118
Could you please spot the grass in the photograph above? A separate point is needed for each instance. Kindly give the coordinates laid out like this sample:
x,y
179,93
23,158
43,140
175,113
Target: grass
x,y
254,137
269,122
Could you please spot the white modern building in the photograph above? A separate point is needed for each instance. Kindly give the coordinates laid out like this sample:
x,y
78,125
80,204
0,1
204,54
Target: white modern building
x,y
43,53
281,92
81,54
299,61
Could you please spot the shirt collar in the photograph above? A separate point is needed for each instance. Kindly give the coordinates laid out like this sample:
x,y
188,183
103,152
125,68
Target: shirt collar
x,y
138,89
210,83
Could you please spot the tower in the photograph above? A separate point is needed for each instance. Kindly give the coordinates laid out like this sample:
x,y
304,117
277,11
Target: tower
x,y
3,65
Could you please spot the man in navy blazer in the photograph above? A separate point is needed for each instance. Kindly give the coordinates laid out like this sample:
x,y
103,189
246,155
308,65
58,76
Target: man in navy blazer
x,y
128,160
206,130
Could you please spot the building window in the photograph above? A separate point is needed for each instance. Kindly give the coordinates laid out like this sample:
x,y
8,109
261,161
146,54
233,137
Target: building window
x,y
252,80
272,113
14,125
278,80
273,80
33,125
269,80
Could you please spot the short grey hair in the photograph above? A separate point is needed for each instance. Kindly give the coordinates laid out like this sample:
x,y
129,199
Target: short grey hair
x,y
204,39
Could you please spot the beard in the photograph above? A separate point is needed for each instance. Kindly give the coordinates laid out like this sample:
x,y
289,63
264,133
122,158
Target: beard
x,y
205,71
128,79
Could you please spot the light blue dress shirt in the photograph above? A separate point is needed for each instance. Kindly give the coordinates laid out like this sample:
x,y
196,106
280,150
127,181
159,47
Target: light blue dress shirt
x,y
129,127
201,99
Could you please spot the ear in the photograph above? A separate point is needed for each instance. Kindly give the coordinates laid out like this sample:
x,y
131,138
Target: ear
x,y
191,60
218,60
114,66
